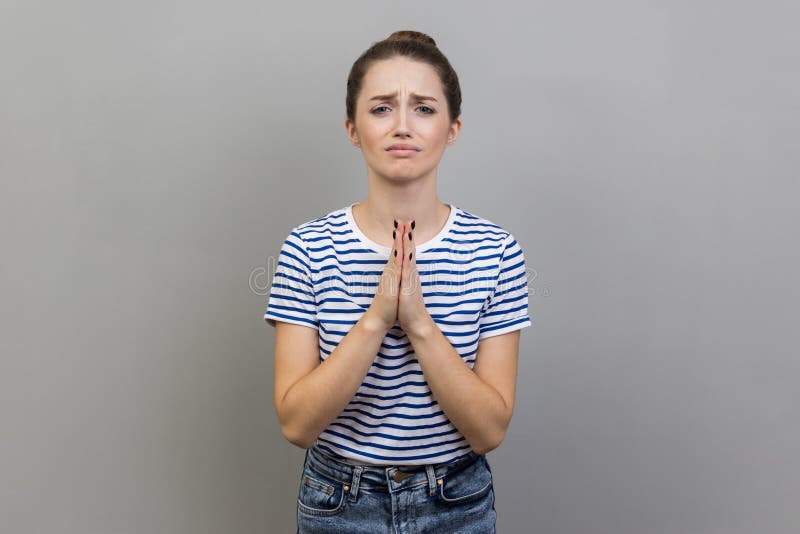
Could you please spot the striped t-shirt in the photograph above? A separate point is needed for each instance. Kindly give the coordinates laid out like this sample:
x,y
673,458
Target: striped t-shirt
x,y
474,285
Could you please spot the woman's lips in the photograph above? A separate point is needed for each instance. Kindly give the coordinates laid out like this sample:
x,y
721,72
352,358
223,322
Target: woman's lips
x,y
402,150
398,152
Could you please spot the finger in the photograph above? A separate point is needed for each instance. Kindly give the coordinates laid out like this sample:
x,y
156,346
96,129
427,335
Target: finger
x,y
411,248
397,246
408,251
401,230
408,246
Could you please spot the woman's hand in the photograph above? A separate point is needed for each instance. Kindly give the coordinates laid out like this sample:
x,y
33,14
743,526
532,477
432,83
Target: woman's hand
x,y
385,304
411,312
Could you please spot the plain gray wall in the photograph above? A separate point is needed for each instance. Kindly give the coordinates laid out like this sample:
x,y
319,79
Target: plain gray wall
x,y
154,155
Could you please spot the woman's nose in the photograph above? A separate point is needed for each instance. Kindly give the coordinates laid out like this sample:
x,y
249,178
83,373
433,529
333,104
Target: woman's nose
x,y
403,121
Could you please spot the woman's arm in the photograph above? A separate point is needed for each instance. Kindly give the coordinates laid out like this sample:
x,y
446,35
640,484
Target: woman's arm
x,y
311,403
479,407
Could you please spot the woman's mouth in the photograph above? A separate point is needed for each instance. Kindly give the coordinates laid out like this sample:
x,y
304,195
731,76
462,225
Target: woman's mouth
x,y
402,153
402,150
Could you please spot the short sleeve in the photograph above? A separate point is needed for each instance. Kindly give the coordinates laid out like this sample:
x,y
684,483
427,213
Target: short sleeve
x,y
506,308
291,296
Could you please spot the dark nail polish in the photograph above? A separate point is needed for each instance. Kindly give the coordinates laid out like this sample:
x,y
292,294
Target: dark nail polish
x,y
410,254
409,236
413,224
395,252
394,234
395,223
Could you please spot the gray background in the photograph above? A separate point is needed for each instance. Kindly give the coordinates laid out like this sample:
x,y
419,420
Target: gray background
x,y
155,154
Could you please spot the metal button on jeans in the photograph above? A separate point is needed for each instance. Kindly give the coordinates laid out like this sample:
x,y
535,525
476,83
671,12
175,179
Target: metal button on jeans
x,y
399,476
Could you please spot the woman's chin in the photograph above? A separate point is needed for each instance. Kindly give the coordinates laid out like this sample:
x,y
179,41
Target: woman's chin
x,y
404,174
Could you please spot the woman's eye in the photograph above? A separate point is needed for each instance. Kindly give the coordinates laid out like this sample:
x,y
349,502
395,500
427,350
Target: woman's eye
x,y
425,109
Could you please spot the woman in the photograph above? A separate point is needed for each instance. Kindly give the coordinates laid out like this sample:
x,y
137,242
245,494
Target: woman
x,y
395,359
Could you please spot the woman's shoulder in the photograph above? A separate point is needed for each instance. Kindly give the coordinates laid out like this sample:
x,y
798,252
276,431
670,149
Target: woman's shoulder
x,y
326,222
470,221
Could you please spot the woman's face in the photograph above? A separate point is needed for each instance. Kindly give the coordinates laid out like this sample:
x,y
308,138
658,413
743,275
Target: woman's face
x,y
402,103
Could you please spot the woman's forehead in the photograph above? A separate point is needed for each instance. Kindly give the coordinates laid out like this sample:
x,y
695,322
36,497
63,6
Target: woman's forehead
x,y
403,76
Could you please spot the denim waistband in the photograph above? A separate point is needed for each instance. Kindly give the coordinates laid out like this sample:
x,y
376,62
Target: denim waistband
x,y
383,477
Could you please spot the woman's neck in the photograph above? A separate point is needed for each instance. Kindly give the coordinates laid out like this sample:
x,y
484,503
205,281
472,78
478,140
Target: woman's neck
x,y
375,217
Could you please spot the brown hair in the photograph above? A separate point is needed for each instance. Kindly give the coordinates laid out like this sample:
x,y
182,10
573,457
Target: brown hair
x,y
413,45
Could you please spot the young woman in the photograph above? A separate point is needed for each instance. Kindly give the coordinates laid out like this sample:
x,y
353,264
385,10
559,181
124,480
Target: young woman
x,y
396,357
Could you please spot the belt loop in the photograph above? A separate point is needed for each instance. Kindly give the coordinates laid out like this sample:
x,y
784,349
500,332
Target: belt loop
x,y
431,479
357,470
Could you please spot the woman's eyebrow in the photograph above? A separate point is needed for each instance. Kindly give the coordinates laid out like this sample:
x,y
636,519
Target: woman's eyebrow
x,y
393,95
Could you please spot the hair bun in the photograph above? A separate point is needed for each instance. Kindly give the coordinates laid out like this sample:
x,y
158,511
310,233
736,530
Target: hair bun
x,y
411,35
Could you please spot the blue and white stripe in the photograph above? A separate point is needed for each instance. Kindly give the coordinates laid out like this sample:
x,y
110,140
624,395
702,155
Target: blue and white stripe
x,y
474,284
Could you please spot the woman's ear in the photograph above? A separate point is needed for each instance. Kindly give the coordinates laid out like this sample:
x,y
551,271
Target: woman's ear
x,y
351,132
455,128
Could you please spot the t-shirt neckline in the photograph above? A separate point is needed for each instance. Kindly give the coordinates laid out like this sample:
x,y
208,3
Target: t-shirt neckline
x,y
420,247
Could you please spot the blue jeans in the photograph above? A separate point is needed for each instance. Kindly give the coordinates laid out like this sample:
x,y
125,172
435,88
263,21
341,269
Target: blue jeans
x,y
338,495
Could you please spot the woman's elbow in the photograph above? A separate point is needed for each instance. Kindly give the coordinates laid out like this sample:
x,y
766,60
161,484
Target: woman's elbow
x,y
296,438
490,444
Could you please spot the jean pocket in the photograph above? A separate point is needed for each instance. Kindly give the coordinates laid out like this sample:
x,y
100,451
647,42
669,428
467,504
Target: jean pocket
x,y
466,485
320,495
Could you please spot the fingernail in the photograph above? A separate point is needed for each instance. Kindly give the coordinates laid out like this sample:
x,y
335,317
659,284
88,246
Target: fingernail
x,y
413,224
409,236
395,252
395,223
394,234
410,254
